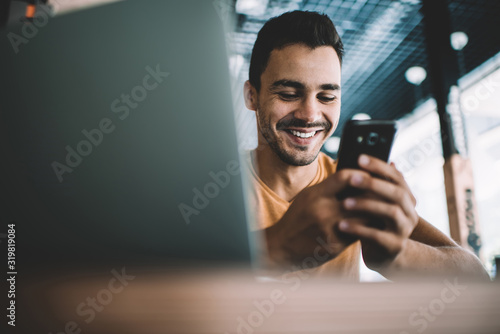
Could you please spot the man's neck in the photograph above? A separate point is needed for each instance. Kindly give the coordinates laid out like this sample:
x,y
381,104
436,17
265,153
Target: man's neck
x,y
284,179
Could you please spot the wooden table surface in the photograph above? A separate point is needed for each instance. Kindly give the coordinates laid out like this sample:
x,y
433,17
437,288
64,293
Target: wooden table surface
x,y
234,301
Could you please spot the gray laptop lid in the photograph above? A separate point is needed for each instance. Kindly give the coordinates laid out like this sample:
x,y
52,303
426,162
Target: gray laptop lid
x,y
118,139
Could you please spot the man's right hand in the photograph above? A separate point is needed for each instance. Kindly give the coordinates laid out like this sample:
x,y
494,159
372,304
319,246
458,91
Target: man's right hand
x,y
309,227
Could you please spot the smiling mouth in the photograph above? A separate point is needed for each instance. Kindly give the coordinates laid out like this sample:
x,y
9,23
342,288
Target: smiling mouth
x,y
302,134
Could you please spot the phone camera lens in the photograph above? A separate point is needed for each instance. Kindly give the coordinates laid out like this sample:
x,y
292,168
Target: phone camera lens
x,y
372,138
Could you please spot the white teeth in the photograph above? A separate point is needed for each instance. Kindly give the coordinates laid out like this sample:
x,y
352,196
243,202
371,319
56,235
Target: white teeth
x,y
303,134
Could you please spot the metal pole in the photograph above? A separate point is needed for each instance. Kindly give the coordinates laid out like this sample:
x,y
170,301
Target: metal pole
x,y
444,74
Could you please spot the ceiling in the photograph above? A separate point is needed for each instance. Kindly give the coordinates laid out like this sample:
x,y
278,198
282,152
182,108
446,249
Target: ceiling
x,y
382,39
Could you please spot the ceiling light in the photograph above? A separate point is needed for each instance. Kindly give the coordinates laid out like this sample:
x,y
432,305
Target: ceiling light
x,y
415,75
361,117
251,7
459,40
332,144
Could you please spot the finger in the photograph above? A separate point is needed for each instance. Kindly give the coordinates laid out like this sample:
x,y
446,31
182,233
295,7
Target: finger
x,y
384,238
385,171
380,168
356,220
387,190
339,181
394,215
360,230
405,184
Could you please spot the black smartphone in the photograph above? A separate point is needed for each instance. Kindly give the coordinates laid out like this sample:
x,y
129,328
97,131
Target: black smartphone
x,y
371,137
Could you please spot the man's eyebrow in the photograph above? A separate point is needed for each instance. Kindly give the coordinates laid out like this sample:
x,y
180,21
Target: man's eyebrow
x,y
287,83
299,85
330,87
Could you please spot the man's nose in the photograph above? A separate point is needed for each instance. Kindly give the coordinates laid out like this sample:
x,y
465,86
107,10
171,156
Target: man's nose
x,y
309,110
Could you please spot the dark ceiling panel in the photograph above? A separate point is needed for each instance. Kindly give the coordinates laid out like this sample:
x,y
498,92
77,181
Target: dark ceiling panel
x,y
382,40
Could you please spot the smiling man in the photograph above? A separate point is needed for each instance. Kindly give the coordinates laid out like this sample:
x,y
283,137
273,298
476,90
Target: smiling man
x,y
294,88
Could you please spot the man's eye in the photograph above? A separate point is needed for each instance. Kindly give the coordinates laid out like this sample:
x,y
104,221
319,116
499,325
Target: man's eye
x,y
327,98
288,96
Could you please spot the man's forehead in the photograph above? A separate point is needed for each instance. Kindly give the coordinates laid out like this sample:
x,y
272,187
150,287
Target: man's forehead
x,y
300,64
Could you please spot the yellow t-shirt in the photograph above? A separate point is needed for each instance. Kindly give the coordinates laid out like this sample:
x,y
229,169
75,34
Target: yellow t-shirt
x,y
268,208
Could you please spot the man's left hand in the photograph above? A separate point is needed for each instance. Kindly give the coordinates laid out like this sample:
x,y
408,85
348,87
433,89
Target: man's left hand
x,y
387,198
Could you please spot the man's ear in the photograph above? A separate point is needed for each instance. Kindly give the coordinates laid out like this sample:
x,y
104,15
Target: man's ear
x,y
250,95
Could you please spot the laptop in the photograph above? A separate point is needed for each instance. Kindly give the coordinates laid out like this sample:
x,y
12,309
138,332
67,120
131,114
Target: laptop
x,y
118,138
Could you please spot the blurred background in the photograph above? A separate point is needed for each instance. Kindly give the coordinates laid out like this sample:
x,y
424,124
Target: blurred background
x,y
385,76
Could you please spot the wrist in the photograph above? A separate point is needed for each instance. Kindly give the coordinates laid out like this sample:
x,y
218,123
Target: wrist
x,y
275,256
399,260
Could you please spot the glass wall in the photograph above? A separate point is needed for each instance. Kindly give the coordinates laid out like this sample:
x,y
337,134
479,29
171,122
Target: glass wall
x,y
417,153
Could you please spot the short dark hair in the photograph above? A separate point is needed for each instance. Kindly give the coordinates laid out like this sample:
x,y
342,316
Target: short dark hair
x,y
297,27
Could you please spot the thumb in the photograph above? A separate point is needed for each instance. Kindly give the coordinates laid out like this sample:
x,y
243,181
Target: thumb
x,y
337,182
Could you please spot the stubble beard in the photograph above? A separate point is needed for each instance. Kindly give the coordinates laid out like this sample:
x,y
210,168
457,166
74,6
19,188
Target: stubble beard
x,y
276,144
